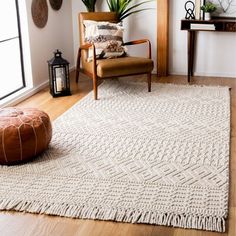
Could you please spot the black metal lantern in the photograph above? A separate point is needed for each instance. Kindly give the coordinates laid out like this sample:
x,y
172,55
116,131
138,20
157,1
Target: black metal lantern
x,y
59,75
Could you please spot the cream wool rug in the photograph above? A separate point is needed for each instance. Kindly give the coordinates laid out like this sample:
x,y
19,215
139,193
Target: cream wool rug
x,y
158,158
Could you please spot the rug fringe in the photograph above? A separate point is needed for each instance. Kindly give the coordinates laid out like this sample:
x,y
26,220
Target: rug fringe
x,y
211,223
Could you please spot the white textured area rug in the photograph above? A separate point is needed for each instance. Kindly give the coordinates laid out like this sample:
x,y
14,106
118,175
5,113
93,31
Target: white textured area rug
x,y
132,156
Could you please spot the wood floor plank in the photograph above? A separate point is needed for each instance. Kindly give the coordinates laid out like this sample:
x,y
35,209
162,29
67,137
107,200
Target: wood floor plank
x,y
24,224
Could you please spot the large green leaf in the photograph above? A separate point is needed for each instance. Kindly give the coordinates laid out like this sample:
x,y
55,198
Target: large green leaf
x,y
133,12
90,4
124,8
135,6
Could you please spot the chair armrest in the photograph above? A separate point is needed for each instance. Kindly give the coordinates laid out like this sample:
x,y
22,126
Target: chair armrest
x,y
85,46
137,42
141,41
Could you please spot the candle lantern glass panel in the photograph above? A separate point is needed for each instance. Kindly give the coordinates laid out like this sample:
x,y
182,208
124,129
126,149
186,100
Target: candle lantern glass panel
x,y
59,75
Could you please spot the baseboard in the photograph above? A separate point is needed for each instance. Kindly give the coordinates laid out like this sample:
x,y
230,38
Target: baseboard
x,y
154,71
72,68
228,75
204,74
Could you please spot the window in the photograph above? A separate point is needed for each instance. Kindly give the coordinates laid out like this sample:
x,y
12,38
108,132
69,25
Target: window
x,y
11,57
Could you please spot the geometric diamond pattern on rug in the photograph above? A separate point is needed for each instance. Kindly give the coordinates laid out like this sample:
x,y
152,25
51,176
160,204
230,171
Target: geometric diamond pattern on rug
x,y
133,156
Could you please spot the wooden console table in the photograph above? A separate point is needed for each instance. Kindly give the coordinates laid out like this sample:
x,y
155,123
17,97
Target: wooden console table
x,y
193,26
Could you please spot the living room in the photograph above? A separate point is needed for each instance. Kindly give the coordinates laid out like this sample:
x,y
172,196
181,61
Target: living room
x,y
114,123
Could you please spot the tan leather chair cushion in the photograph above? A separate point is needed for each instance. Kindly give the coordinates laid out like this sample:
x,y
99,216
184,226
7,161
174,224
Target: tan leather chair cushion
x,y
121,66
24,133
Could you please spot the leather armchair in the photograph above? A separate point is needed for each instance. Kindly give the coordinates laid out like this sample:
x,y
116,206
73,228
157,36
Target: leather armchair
x,y
108,68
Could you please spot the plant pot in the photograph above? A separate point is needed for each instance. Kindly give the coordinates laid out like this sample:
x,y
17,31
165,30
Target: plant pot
x,y
207,16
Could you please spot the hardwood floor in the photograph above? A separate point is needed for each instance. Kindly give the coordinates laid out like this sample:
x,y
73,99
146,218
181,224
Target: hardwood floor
x,y
19,224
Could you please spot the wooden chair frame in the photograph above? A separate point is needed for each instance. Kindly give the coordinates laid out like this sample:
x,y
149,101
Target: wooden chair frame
x,y
94,75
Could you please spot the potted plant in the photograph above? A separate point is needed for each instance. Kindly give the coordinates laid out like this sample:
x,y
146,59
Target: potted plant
x,y
208,8
123,8
90,5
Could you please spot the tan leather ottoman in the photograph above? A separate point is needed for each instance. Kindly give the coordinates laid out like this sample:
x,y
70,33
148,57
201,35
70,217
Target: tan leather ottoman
x,y
24,133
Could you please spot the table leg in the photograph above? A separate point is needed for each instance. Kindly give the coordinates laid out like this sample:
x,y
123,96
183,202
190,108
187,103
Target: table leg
x,y
191,44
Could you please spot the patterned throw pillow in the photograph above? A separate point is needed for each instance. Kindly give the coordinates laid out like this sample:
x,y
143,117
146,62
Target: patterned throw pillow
x,y
107,38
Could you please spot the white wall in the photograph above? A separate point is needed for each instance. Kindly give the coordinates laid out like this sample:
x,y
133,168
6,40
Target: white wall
x,y
57,34
138,26
215,54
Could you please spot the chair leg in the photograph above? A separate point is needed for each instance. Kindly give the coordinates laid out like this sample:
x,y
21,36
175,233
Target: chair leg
x,y
78,66
95,87
149,80
77,75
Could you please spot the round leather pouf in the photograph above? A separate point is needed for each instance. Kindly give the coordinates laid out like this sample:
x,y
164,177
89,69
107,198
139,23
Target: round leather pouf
x,y
24,133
